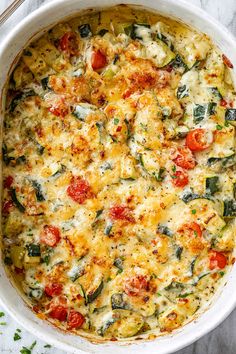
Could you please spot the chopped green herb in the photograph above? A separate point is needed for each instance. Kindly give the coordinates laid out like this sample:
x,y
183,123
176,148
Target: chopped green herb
x,y
25,350
219,127
16,336
174,168
3,323
194,211
2,314
47,346
222,273
116,121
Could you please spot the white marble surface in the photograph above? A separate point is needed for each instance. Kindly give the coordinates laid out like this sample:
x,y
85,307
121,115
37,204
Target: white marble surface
x,y
222,340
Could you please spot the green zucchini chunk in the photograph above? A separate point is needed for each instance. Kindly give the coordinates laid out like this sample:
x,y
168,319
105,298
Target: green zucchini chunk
x,y
85,31
19,206
212,185
229,208
91,296
117,302
33,250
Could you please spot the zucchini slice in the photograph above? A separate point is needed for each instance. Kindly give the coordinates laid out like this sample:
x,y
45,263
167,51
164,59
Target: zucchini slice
x,y
229,208
38,191
178,252
93,294
118,263
33,250
216,92
222,162
182,92
230,115
212,185
21,96
188,195
33,254
159,53
130,325
128,170
164,230
15,200
139,31
150,164
17,254
85,31
108,323
178,63
117,302
201,112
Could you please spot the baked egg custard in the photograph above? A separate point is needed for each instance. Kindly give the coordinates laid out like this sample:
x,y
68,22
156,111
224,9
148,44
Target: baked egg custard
x,y
119,179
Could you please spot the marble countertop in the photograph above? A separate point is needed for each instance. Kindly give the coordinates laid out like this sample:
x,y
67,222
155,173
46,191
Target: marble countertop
x,y
222,339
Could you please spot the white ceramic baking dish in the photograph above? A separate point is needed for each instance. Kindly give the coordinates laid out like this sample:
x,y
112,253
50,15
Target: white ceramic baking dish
x,y
225,301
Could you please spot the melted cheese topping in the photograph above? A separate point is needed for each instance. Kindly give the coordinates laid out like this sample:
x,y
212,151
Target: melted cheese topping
x,y
119,186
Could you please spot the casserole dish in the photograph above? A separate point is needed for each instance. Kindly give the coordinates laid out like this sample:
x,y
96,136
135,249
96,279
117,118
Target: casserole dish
x,y
144,346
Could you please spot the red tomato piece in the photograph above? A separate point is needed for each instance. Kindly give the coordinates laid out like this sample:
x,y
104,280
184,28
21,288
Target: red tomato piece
x,y
50,235
180,179
75,319
58,313
98,60
199,139
53,289
137,285
227,62
223,103
7,183
121,212
79,190
68,43
184,158
217,260
7,206
192,229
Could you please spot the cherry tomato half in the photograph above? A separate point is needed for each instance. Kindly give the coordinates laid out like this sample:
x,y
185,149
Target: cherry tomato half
x,y
184,158
53,289
98,60
75,319
217,260
50,235
199,139
179,179
135,286
121,212
79,190
58,312
68,43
